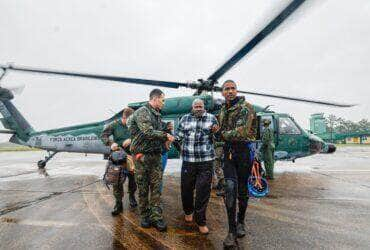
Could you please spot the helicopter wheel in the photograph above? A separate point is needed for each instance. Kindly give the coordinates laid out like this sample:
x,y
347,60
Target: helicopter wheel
x,y
41,164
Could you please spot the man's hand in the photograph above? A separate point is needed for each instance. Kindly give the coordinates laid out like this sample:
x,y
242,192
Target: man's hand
x,y
169,126
215,128
170,138
126,143
167,145
114,147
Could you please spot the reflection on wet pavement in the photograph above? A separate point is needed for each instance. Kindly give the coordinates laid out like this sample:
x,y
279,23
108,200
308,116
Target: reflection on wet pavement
x,y
324,207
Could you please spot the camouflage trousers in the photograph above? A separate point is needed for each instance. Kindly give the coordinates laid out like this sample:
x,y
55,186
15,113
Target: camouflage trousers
x,y
148,175
118,188
218,177
268,158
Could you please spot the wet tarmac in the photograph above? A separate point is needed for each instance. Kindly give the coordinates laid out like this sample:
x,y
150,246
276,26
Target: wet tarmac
x,y
318,202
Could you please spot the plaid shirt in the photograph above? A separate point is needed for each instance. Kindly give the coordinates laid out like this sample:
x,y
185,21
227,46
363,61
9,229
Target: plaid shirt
x,y
196,137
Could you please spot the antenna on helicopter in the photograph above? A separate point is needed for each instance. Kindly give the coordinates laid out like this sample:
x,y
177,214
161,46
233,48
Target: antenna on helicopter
x,y
266,108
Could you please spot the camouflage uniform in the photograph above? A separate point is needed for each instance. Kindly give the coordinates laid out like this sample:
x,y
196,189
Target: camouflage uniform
x,y
238,127
120,133
148,135
218,178
268,148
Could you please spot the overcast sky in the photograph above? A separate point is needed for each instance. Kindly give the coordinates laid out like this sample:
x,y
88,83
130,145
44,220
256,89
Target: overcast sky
x,y
321,52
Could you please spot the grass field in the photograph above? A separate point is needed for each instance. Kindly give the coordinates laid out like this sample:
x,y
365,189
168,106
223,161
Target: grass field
x,y
11,147
352,145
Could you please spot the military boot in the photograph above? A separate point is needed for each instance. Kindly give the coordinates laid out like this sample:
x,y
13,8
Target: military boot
x,y
220,189
230,241
145,222
132,200
160,225
118,208
240,230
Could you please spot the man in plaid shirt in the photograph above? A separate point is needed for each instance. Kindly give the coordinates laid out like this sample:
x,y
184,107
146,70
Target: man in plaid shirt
x,y
195,134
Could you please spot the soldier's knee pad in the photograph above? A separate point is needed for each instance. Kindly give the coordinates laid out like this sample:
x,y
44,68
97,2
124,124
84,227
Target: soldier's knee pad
x,y
230,185
230,192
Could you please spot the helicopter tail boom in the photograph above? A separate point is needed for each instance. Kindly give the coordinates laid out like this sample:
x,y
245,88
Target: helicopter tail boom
x,y
12,119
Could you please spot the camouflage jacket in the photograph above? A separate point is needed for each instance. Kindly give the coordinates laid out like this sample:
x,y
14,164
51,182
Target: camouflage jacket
x,y
268,139
116,129
238,123
147,131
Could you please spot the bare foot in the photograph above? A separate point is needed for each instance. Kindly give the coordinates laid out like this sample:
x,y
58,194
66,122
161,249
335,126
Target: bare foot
x,y
203,230
188,218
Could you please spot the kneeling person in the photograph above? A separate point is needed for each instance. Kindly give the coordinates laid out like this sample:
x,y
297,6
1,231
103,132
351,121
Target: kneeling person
x,y
121,139
195,133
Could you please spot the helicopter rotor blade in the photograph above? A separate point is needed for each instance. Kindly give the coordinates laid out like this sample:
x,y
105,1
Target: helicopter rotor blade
x,y
17,90
166,84
297,99
256,40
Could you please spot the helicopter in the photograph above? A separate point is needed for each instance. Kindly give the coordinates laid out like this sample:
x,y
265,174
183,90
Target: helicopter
x,y
291,140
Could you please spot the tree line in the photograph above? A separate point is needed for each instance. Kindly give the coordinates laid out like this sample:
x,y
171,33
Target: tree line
x,y
341,125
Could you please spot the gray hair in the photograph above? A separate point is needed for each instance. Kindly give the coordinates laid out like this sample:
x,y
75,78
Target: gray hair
x,y
196,101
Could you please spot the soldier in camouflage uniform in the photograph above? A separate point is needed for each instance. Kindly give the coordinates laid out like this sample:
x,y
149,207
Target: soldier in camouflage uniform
x,y
148,138
118,130
238,129
268,149
218,178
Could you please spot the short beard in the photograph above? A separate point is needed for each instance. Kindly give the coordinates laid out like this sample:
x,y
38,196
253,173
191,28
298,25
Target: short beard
x,y
198,113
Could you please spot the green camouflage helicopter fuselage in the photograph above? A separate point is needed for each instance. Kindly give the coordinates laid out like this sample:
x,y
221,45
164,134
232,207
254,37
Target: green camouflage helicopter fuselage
x,y
291,140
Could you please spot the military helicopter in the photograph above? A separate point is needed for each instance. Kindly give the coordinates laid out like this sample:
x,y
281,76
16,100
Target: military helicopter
x,y
291,140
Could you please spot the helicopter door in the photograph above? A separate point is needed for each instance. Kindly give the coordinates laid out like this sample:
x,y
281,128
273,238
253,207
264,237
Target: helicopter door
x,y
289,136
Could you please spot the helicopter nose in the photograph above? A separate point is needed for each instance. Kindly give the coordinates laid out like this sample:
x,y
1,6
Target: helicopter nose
x,y
315,146
331,148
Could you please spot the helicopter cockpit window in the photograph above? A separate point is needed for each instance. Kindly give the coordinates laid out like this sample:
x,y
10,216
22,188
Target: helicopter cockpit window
x,y
288,127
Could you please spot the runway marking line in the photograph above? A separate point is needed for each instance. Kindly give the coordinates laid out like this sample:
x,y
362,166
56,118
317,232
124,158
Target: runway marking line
x,y
40,223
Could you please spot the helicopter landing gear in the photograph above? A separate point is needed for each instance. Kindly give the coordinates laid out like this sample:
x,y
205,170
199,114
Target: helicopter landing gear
x,y
42,163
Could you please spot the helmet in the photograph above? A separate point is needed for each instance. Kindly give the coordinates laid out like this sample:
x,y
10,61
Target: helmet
x,y
266,122
118,157
257,187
